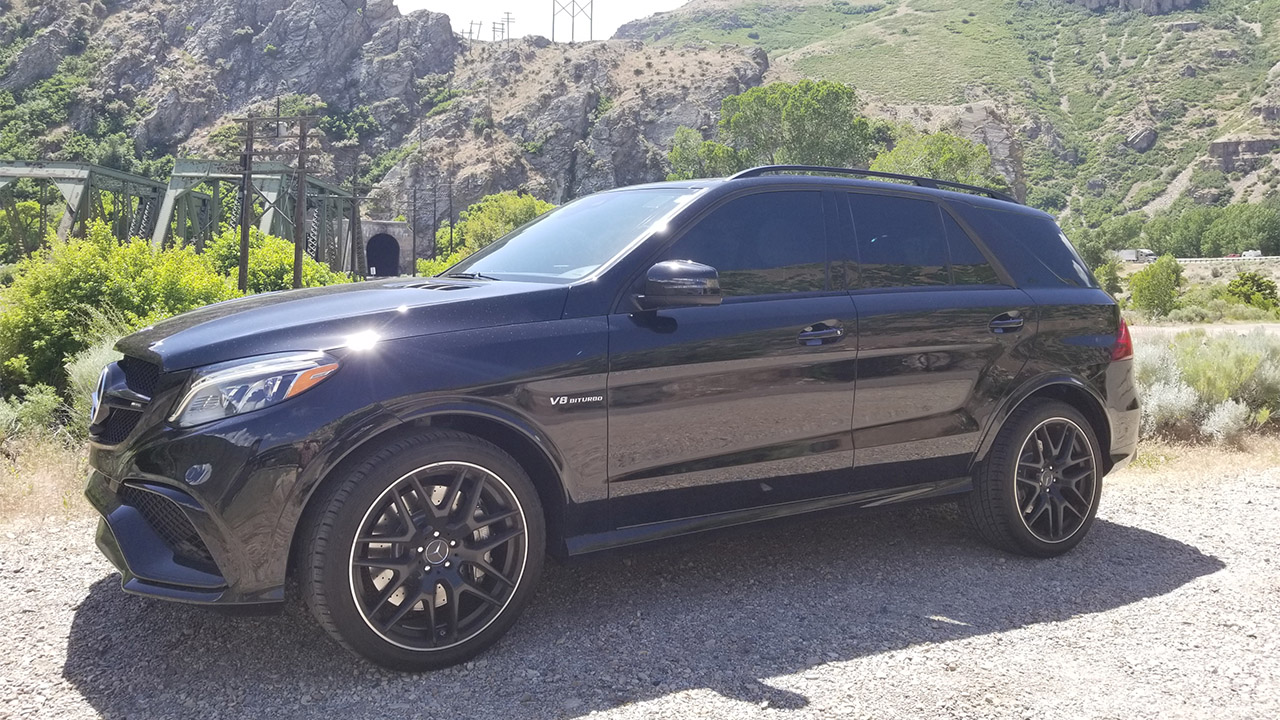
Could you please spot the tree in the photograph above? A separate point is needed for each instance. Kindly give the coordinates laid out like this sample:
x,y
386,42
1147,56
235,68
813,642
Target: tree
x,y
1242,227
1254,289
1154,289
808,122
692,157
942,156
1097,245
491,218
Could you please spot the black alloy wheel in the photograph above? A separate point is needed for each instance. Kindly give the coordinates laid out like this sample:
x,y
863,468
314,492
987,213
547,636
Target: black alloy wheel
x,y
438,556
425,553
1055,479
1036,493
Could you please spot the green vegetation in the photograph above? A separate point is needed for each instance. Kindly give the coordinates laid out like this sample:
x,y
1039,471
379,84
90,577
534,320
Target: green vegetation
x,y
270,262
56,291
1082,80
480,224
1155,288
940,155
807,122
1197,386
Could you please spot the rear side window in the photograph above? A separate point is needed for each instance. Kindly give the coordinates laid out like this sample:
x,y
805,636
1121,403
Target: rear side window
x,y
901,242
761,244
968,265
1031,247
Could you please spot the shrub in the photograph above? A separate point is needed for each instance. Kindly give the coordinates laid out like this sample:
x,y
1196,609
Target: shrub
x,y
1108,274
437,265
56,292
84,369
492,217
1154,289
1216,388
1254,289
270,262
1227,422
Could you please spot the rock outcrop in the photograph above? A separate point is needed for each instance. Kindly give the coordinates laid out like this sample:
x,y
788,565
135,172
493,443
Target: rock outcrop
x,y
1150,7
563,121
1242,153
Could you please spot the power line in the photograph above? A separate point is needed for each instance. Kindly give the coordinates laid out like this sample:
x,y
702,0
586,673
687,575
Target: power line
x,y
574,10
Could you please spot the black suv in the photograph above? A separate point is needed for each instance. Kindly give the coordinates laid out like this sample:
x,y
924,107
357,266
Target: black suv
x,y
637,364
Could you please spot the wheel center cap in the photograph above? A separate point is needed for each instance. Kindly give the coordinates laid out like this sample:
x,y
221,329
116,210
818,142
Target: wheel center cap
x,y
436,551
1046,478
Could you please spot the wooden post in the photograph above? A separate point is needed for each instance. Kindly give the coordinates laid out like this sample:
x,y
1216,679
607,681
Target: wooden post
x,y
300,210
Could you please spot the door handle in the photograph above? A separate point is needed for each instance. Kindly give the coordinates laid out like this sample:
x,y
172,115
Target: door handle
x,y
820,334
1005,323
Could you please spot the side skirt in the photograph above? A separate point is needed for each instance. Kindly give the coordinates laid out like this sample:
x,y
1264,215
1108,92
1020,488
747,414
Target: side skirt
x,y
648,532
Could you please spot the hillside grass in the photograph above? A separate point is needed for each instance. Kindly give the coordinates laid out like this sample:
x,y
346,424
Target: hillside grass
x,y
1086,79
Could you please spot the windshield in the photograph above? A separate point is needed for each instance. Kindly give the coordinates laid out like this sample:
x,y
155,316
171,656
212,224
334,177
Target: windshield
x,y
574,240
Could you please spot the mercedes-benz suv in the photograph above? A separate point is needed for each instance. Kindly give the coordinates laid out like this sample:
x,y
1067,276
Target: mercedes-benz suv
x,y
637,364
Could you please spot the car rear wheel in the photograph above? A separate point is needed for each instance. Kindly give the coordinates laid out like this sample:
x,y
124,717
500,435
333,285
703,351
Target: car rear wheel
x,y
425,554
1037,493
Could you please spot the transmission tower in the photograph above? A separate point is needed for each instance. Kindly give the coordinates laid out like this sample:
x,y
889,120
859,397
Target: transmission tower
x,y
574,10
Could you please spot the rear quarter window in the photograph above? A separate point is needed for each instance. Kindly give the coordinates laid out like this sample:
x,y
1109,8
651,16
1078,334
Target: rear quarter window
x,y
1031,247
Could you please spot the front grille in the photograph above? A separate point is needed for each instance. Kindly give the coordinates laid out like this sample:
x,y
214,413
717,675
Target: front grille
x,y
119,424
168,520
139,375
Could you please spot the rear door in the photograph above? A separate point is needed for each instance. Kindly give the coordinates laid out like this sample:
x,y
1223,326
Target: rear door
x,y
745,404
941,339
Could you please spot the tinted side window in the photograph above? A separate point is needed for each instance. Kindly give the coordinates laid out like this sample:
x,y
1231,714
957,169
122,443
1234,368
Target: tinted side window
x,y
1030,246
968,265
900,241
761,244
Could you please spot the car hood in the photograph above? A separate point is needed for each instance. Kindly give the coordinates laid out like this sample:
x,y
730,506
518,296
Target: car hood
x,y
326,318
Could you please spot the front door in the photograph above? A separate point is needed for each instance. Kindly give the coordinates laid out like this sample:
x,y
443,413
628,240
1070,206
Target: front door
x,y
745,404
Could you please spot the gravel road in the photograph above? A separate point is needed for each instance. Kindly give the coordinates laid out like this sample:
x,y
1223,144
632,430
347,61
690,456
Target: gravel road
x,y
1168,610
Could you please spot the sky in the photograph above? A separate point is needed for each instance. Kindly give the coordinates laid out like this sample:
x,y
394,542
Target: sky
x,y
533,17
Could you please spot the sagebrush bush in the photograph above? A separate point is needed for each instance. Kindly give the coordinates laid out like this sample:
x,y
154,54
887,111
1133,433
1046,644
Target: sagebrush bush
x,y
270,262
48,310
1213,387
1168,408
1227,421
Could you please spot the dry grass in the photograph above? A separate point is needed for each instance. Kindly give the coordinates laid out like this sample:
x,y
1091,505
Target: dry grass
x,y
42,479
1256,452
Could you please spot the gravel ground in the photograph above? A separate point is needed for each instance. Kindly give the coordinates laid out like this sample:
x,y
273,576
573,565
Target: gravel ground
x,y
1168,610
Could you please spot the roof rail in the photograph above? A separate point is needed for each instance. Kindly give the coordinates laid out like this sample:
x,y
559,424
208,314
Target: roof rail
x,y
921,181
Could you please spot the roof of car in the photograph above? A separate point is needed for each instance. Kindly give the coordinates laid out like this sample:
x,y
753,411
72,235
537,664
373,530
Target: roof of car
x,y
846,182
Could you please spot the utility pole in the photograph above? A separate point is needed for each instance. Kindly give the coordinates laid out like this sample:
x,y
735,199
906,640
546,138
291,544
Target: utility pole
x,y
506,26
246,202
300,210
247,191
413,231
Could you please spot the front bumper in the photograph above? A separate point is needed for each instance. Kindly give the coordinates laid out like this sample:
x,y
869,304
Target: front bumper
x,y
149,533
207,515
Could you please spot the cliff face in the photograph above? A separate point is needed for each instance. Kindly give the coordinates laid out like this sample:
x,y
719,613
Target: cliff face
x,y
1150,7
565,121
557,120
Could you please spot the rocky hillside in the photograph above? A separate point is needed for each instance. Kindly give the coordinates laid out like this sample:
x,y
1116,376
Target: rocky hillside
x,y
1097,106
399,95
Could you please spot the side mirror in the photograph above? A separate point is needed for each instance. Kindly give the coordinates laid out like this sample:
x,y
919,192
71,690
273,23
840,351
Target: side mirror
x,y
680,283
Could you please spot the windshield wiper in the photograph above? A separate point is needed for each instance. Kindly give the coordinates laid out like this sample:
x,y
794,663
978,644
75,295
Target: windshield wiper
x,y
471,276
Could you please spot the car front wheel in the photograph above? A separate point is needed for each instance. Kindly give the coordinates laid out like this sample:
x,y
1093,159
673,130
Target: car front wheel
x,y
425,554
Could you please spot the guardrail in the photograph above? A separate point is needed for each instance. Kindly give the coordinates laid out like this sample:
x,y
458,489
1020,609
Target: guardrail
x,y
1264,258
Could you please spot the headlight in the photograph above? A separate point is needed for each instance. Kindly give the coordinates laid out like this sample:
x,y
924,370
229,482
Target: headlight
x,y
241,386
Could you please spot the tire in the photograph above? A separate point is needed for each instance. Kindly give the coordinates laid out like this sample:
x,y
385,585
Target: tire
x,y
426,553
1033,495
